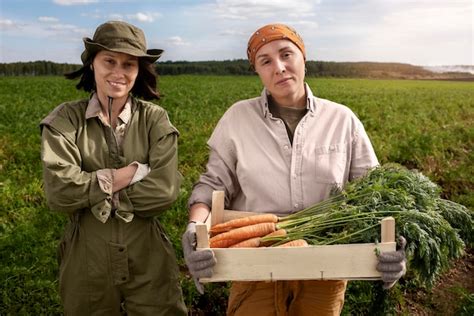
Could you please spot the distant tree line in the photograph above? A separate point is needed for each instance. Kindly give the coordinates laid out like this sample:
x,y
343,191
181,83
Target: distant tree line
x,y
314,69
36,68
242,67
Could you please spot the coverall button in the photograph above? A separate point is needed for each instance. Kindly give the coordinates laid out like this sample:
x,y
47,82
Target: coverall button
x,y
124,278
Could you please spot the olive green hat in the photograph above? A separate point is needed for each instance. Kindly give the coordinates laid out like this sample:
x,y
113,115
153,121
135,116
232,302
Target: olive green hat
x,y
120,37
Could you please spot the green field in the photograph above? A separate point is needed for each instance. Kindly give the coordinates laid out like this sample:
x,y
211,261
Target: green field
x,y
426,125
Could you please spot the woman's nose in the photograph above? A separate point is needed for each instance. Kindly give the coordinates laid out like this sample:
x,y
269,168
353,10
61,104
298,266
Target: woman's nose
x,y
279,67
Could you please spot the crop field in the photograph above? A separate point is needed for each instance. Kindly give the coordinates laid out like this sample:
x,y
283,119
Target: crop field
x,y
427,125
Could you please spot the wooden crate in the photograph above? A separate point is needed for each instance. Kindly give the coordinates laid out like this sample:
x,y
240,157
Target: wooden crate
x,y
335,262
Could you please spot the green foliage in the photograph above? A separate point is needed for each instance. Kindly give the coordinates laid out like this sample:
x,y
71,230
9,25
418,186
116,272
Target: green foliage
x,y
353,216
420,124
369,298
466,307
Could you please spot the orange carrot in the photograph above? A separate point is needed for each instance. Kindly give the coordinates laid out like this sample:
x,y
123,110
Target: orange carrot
x,y
277,233
248,243
244,221
223,243
246,232
295,243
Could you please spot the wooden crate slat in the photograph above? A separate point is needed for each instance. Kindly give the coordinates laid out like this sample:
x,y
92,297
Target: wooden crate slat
x,y
350,262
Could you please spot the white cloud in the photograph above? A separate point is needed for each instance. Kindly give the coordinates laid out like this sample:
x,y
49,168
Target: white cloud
x,y
422,34
307,25
426,20
177,41
144,17
96,14
7,24
47,19
264,9
74,2
65,30
139,16
62,27
115,16
233,33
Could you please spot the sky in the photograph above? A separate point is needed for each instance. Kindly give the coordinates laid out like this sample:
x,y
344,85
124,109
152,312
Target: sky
x,y
418,32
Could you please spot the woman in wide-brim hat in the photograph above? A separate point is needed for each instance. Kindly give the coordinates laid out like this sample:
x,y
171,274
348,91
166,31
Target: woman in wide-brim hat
x,y
110,163
280,153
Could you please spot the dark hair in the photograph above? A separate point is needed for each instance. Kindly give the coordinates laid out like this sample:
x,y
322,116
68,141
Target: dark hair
x,y
144,87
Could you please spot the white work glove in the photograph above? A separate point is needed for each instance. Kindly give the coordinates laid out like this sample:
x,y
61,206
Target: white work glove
x,y
199,262
392,264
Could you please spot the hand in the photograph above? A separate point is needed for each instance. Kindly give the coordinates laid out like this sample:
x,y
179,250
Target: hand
x,y
199,262
392,264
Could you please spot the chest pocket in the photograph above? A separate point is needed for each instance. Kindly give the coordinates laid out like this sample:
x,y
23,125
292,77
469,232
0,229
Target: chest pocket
x,y
330,163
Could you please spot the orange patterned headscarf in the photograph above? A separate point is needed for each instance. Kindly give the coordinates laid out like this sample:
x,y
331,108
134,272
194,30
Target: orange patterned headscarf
x,y
269,33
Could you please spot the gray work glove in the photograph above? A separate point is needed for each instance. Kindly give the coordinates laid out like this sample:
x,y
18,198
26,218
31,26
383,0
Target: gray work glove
x,y
392,264
199,262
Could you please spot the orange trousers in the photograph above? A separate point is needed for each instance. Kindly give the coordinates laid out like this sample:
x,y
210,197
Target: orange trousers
x,y
286,298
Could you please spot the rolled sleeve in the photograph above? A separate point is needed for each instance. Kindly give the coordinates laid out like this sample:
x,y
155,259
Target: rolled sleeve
x,y
141,172
106,180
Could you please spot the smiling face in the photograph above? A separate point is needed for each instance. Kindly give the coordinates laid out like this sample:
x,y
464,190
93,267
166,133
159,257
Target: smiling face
x,y
281,67
115,75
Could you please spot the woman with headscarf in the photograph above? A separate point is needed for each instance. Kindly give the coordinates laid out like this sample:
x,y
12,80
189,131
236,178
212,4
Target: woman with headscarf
x,y
280,153
110,163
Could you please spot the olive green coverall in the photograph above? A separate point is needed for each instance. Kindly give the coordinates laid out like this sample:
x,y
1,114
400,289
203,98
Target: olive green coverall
x,y
108,264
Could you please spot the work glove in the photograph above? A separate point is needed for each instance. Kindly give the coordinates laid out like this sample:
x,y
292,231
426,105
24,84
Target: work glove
x,y
199,262
392,264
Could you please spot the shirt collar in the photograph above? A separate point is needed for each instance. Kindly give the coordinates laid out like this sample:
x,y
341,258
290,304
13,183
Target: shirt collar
x,y
310,104
94,109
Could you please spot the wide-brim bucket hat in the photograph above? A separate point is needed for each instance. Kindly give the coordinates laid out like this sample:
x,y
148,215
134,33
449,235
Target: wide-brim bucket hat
x,y
120,37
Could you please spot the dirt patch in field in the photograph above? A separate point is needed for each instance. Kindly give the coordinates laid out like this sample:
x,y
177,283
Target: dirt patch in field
x,y
446,296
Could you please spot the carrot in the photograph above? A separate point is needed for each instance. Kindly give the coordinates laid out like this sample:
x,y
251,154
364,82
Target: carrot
x,y
248,243
244,221
277,233
223,243
295,243
246,232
